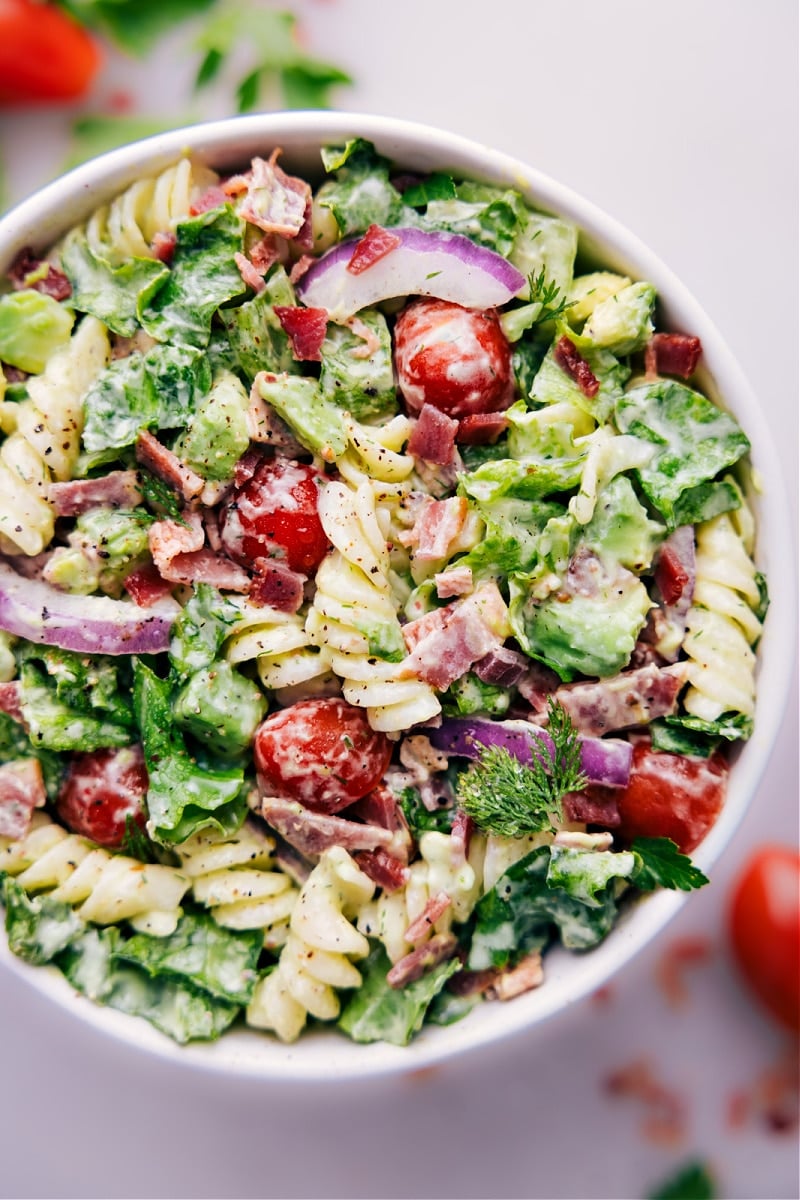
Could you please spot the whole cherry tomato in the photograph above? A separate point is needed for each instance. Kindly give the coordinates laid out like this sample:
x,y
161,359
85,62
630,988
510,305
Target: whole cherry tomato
x,y
453,358
276,512
100,791
45,55
321,752
764,929
668,795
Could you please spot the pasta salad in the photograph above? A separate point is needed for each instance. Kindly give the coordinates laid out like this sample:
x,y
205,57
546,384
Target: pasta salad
x,y
378,603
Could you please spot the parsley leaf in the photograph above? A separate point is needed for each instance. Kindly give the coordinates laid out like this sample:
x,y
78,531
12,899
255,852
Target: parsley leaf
x,y
661,864
692,1182
512,798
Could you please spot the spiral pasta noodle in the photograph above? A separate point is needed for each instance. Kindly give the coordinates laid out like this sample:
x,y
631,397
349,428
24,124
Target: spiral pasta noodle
x,y
125,228
103,888
45,443
316,960
233,877
278,642
722,626
441,867
353,616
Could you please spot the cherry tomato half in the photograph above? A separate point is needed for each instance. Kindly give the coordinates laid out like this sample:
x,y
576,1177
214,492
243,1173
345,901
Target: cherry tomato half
x,y
453,358
668,795
100,791
764,929
321,752
45,55
276,512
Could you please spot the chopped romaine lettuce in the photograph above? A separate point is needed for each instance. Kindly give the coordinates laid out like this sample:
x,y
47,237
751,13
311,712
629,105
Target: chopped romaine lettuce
x,y
256,336
623,323
114,295
620,529
216,434
38,927
220,707
74,702
586,874
316,422
32,327
200,629
377,1012
362,383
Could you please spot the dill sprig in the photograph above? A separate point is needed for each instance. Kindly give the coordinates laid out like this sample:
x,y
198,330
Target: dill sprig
x,y
512,798
546,292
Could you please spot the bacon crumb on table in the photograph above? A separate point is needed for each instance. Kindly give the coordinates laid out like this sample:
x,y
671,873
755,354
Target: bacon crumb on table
x,y
671,970
664,1119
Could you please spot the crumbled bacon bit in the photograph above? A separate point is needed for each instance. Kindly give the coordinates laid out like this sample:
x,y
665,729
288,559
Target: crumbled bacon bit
x,y
481,429
248,272
305,328
373,246
433,437
163,247
383,868
276,585
664,1121
145,585
210,199
300,267
573,363
772,1100
28,271
672,354
416,964
419,929
670,974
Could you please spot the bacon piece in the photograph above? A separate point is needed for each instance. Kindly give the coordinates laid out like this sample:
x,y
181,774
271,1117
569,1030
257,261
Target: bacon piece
x,y
118,489
573,363
10,700
674,570
212,197
248,272
481,429
419,929
373,246
166,464
21,791
672,354
276,585
28,271
275,202
181,556
434,436
383,868
457,581
163,247
264,253
461,833
311,833
472,983
466,631
502,667
596,805
416,964
304,238
665,1119
671,970
380,807
247,466
145,586
524,977
437,525
306,329
630,698
300,267
370,339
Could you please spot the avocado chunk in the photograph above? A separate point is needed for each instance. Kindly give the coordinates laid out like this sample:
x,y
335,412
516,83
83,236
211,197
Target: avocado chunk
x,y
317,423
221,708
32,327
217,436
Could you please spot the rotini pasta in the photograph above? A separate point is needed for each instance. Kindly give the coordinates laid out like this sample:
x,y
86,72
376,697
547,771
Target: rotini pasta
x,y
285,656
354,619
234,878
44,446
441,867
125,228
103,888
315,962
722,627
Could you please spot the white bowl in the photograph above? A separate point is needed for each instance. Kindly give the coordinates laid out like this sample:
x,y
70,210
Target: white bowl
x,y
227,144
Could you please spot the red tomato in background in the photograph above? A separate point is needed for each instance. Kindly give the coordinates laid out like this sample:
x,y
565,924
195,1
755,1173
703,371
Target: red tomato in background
x,y
453,358
276,511
323,753
670,796
100,791
764,930
45,55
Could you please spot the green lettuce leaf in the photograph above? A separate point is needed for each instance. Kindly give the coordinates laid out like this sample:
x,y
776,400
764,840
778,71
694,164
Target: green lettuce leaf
x,y
257,338
377,1012
181,1012
360,193
32,327
198,632
586,874
200,952
202,277
157,390
362,386
695,440
521,913
38,927
112,294
74,702
552,385
491,216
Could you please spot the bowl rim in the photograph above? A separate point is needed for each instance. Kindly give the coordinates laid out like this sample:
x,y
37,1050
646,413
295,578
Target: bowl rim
x,y
321,1056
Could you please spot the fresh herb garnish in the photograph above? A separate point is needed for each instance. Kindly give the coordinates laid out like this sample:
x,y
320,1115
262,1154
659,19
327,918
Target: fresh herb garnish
x,y
511,798
692,1182
546,292
661,864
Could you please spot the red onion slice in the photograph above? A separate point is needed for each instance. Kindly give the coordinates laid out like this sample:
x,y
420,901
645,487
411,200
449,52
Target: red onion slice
x,y
604,760
32,609
425,263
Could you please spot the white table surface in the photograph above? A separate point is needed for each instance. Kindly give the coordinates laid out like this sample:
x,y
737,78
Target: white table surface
x,y
681,120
